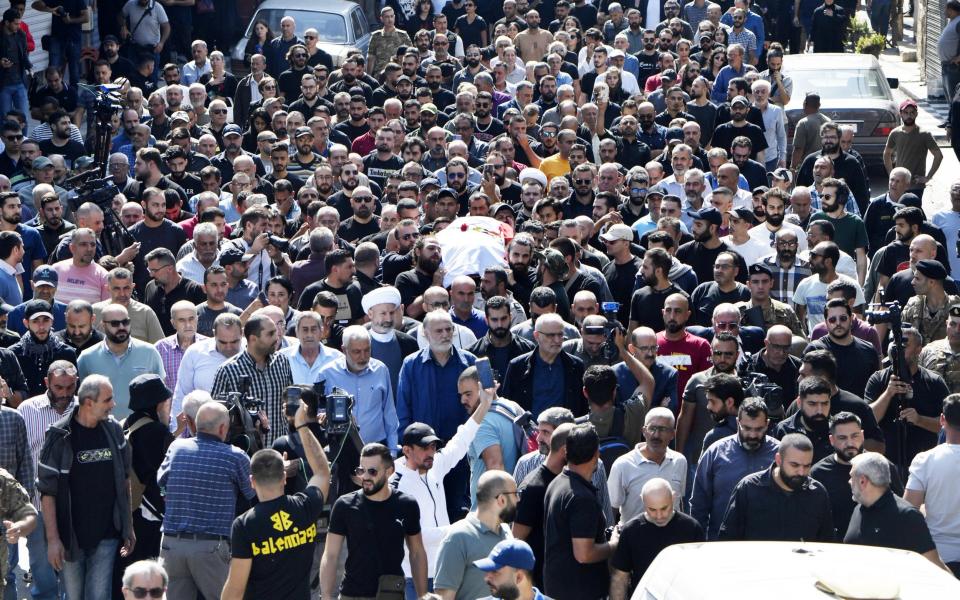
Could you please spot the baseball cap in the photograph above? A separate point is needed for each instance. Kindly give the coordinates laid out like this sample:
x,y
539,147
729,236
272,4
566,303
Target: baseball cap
x,y
744,214
908,103
617,53
419,434
304,130
429,107
783,174
37,308
553,260
502,206
425,183
508,553
231,255
739,100
45,275
447,192
181,116
42,162
618,231
709,214
658,190
232,129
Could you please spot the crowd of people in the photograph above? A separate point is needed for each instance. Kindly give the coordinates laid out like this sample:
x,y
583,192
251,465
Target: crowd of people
x,y
705,324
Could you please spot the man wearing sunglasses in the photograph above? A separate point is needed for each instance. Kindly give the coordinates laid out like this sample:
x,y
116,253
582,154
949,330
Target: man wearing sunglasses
x,y
858,357
145,578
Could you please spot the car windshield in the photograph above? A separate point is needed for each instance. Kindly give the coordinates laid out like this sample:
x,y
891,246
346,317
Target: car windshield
x,y
836,84
331,27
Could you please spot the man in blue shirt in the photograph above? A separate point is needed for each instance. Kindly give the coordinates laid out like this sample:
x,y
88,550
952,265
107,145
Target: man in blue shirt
x,y
427,392
368,381
735,68
34,252
729,460
11,251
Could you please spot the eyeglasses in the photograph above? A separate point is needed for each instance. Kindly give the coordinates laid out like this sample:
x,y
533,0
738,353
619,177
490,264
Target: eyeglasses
x,y
657,429
363,199
269,87
841,319
13,138
583,181
371,471
218,111
118,323
157,270
548,134
513,493
456,175
139,592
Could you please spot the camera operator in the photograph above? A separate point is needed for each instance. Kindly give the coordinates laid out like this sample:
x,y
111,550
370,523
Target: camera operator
x,y
590,346
908,407
260,565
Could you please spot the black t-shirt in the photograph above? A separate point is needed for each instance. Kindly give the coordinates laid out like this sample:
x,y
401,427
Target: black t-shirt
x,y
724,135
92,489
620,279
572,511
379,170
532,491
376,533
646,306
412,284
206,316
469,32
166,235
586,14
279,536
896,253
348,298
649,65
161,302
708,295
71,151
835,476
641,541
352,230
392,264
702,258
352,131
859,361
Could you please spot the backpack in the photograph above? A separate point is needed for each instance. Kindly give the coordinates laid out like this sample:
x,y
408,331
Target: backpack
x,y
137,488
522,420
613,445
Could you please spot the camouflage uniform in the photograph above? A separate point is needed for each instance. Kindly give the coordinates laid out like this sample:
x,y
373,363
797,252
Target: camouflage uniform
x,y
933,326
940,358
777,313
14,506
383,46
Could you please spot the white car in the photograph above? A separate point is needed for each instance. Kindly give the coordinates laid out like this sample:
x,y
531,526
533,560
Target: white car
x,y
792,571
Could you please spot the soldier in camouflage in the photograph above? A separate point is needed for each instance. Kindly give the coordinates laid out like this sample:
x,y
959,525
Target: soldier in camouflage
x,y
943,356
772,312
384,42
927,311
19,517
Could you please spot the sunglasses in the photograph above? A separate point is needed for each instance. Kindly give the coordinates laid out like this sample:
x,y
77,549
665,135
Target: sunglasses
x,y
118,323
363,199
139,592
583,181
219,111
13,138
841,319
371,471
456,175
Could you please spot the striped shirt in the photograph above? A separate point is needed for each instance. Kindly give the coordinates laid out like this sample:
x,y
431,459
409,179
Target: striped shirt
x,y
200,478
38,414
171,353
267,384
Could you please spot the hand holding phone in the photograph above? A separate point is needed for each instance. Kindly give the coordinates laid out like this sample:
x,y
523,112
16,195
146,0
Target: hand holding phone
x,y
485,372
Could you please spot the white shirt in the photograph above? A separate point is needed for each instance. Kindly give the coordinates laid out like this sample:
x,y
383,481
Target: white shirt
x,y
191,268
632,470
751,251
934,472
845,266
197,369
304,374
763,235
463,338
812,294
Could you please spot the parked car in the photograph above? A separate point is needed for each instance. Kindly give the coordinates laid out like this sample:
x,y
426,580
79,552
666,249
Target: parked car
x,y
342,25
853,91
792,571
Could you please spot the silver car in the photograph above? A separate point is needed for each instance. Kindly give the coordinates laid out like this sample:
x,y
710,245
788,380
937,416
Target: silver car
x,y
853,91
342,25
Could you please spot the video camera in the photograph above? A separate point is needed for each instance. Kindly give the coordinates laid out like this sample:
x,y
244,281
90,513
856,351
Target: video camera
x,y
244,412
610,350
337,406
891,313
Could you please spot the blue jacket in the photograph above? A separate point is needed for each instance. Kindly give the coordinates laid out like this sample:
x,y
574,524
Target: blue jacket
x,y
420,399
721,468
664,385
719,93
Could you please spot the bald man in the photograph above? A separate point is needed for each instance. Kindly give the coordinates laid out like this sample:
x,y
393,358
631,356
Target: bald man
x,y
644,537
474,537
899,287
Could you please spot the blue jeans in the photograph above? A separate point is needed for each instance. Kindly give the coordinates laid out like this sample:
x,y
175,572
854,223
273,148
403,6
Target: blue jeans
x,y
14,97
46,585
10,589
411,591
69,50
91,575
